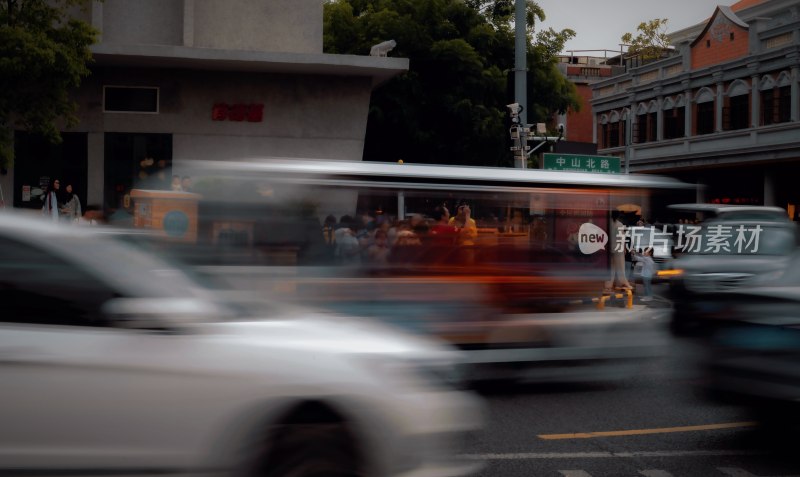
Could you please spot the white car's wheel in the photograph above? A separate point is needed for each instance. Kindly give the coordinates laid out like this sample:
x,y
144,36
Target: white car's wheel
x,y
306,447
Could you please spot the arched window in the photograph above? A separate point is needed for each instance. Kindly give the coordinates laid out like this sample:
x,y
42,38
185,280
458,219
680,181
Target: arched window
x,y
704,111
614,129
704,95
776,98
769,107
674,114
767,82
652,121
736,112
784,97
784,79
624,126
738,88
602,120
640,126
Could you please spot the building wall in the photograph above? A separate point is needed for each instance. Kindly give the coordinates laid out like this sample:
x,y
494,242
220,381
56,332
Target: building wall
x,y
582,71
149,22
265,25
716,45
308,108
303,116
580,123
289,26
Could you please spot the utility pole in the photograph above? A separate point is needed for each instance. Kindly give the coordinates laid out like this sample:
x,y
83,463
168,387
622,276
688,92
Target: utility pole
x,y
522,134
520,72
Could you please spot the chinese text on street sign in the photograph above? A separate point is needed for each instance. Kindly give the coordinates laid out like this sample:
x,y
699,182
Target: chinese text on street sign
x,y
581,163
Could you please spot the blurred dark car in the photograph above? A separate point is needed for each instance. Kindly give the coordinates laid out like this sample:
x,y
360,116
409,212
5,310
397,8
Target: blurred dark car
x,y
734,247
753,346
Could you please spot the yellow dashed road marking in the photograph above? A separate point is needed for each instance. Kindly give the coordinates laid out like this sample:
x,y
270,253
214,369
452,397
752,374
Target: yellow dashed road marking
x,y
638,432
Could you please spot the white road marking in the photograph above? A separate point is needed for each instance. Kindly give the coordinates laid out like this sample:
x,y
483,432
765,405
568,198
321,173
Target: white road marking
x,y
604,455
729,471
736,472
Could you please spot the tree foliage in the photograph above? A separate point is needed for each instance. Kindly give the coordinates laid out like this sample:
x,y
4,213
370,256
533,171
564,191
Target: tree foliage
x,y
43,55
450,106
651,40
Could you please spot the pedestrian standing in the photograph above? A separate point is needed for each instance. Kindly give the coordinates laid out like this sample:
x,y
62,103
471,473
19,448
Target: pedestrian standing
x,y
618,247
347,250
648,270
442,233
176,184
51,206
71,211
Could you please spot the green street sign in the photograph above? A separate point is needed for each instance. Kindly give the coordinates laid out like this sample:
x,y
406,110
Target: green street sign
x,y
581,163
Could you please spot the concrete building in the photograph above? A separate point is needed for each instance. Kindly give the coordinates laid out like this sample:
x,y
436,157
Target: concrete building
x,y
201,79
722,111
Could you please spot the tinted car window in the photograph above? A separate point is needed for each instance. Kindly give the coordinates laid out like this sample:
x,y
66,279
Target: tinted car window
x,y
41,288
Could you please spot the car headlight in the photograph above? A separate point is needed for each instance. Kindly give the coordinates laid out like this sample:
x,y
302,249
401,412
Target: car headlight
x,y
670,273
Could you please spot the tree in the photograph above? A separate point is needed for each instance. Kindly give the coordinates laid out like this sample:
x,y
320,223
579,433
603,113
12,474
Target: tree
x,y
450,106
43,55
651,42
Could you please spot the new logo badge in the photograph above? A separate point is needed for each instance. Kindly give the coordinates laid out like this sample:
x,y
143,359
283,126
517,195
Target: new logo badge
x,y
591,238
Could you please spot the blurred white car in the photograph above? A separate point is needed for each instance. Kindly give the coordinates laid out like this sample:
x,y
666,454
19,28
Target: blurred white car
x,y
112,362
736,248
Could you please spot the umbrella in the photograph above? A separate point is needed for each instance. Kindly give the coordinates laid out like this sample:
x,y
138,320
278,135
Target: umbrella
x,y
630,208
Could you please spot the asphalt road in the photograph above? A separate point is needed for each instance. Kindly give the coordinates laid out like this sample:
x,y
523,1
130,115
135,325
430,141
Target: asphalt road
x,y
657,423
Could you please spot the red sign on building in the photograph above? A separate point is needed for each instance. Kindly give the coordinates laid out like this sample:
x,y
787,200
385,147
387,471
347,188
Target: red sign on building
x,y
253,113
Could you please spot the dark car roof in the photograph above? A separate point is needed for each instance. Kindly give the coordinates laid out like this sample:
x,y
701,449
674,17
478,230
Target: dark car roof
x,y
736,212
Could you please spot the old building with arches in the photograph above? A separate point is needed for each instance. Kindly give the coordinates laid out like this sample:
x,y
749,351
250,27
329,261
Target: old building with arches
x,y
722,109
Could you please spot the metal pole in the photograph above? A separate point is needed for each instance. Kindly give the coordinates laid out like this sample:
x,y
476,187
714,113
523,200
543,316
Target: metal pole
x,y
628,141
520,70
401,206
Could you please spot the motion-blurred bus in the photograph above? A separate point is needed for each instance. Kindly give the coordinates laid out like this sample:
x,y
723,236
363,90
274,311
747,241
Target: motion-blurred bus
x,y
364,237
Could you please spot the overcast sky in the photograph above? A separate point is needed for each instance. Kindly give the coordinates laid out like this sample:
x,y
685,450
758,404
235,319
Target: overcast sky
x,y
599,24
